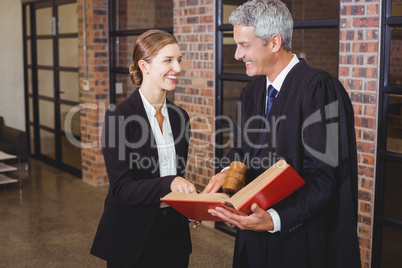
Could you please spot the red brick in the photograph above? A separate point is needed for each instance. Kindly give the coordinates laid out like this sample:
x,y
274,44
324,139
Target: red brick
x,y
366,171
365,147
343,71
370,110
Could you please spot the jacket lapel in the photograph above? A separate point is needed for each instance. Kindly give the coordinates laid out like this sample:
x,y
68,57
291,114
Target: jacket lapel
x,y
259,112
178,125
150,147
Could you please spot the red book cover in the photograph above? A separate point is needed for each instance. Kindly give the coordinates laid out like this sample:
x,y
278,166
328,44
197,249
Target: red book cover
x,y
271,187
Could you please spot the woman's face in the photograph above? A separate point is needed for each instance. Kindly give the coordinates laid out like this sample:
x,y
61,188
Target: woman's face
x,y
165,67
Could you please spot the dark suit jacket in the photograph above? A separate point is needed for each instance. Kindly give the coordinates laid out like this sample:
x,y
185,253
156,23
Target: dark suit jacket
x,y
131,159
311,126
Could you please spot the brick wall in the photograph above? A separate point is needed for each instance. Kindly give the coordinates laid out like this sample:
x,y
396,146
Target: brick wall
x,y
193,22
95,100
358,71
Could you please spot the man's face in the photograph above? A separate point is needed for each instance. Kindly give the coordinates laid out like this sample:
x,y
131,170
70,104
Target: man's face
x,y
251,50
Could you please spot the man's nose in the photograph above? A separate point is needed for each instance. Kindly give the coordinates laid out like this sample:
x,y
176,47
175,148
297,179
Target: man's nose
x,y
239,55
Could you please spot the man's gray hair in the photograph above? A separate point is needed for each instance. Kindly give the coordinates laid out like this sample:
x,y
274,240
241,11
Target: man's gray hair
x,y
268,17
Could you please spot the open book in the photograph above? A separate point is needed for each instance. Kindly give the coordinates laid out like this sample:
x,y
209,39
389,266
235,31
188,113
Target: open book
x,y
271,187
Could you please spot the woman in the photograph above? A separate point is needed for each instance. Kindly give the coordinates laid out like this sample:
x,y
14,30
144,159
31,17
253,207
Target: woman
x,y
145,145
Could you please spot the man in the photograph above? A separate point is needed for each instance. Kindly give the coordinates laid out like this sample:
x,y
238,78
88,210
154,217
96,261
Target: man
x,y
309,123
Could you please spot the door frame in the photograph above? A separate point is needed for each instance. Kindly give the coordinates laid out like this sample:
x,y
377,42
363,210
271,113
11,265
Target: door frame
x,y
34,95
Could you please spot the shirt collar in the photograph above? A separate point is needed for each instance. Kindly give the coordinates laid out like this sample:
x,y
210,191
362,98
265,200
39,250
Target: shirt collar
x,y
150,109
277,83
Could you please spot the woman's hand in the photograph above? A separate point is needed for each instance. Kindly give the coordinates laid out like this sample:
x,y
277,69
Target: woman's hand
x,y
180,184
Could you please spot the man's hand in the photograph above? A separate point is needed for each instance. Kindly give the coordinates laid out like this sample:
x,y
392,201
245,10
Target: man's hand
x,y
259,220
216,182
180,184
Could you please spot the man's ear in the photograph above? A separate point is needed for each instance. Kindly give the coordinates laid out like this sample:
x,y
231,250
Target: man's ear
x,y
277,42
143,66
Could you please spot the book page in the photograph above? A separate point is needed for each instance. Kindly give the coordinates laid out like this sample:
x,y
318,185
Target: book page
x,y
221,197
261,181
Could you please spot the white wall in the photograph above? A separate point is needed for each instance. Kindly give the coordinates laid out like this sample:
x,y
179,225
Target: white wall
x,y
12,106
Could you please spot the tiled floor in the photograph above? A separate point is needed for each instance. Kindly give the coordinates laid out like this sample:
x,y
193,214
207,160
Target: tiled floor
x,y
51,221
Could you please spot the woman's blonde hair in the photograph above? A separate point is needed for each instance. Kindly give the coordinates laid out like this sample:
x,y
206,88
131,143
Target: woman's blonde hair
x,y
146,47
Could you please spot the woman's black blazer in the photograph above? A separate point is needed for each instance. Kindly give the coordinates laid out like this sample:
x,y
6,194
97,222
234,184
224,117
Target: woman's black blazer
x,y
131,159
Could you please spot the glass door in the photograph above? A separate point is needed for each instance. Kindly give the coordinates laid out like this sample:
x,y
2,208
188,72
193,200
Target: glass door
x,y
52,81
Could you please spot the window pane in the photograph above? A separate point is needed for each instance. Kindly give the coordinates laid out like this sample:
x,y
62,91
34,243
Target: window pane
x,y
123,50
46,113
231,93
300,9
123,86
319,47
395,61
32,140
29,71
28,19
393,190
45,52
68,52
394,124
44,21
313,10
230,64
391,247
29,58
143,14
396,8
69,89
68,22
45,83
70,119
47,144
71,154
228,7
31,109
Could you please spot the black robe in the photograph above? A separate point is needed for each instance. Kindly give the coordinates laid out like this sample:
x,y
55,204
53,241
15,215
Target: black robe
x,y
311,126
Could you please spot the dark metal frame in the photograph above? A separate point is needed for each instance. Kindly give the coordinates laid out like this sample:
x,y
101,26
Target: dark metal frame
x,y
221,76
117,33
34,67
382,154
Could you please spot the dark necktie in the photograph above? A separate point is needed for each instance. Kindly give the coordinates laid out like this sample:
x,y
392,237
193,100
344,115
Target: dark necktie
x,y
272,92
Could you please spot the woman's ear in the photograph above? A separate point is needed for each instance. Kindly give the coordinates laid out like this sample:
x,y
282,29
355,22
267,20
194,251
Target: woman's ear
x,y
276,42
143,66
